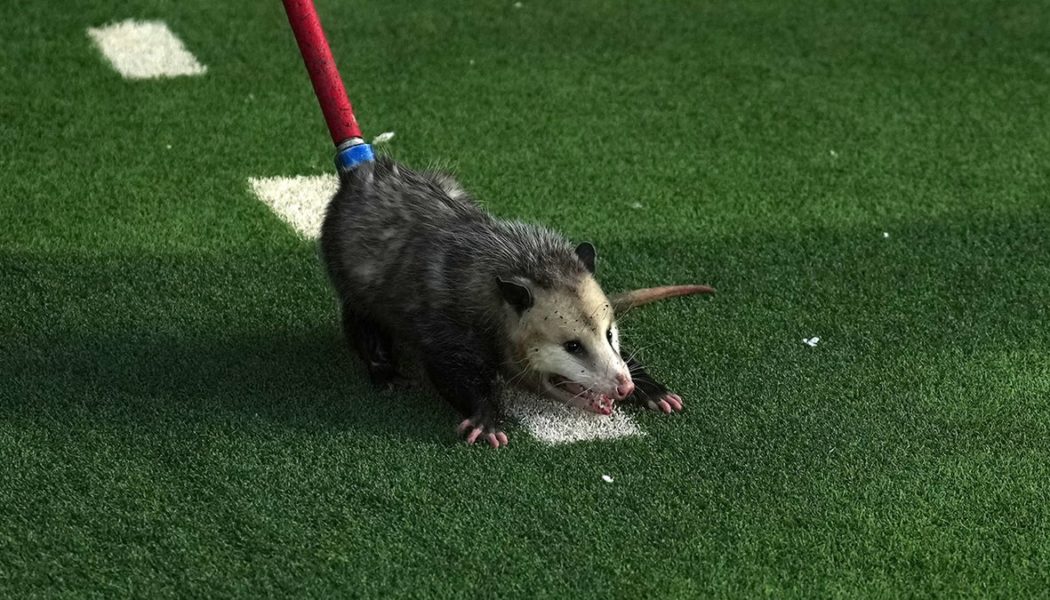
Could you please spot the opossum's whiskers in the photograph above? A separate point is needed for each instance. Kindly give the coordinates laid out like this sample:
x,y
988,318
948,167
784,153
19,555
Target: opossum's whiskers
x,y
644,393
519,376
623,315
583,392
632,355
524,366
598,308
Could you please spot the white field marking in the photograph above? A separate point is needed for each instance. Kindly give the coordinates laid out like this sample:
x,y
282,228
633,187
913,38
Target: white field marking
x,y
145,50
299,200
555,423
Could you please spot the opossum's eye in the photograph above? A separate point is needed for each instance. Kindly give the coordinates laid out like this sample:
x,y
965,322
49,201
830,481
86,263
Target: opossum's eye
x,y
573,347
608,335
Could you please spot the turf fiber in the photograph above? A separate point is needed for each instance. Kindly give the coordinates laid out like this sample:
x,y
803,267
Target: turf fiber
x,y
180,416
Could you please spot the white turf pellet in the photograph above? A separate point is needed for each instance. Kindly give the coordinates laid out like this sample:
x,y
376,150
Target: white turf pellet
x,y
383,138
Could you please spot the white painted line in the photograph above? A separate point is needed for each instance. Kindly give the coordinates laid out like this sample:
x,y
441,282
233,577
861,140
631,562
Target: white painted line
x,y
555,423
145,50
299,200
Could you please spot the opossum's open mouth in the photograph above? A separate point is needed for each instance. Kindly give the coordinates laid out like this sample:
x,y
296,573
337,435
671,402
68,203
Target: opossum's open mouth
x,y
581,396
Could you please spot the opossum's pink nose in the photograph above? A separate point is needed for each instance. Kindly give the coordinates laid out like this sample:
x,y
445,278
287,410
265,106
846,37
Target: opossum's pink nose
x,y
625,387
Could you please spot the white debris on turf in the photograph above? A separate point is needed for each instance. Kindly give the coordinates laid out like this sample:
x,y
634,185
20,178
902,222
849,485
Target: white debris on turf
x,y
383,138
518,5
636,205
885,234
300,200
145,50
555,423
607,479
833,154
811,342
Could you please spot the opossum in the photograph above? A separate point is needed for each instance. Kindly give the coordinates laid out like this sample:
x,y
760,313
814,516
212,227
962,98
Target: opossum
x,y
420,268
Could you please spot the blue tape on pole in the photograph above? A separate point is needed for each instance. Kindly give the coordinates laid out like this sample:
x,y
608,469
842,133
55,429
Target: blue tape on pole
x,y
348,158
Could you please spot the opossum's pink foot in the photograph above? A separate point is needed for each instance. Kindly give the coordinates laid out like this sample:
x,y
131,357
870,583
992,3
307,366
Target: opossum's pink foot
x,y
473,431
668,404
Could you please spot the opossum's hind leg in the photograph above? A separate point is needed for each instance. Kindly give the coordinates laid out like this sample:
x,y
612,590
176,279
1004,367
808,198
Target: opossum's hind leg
x,y
648,391
462,375
373,344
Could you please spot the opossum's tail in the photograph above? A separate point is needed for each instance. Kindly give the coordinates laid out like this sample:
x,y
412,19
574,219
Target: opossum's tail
x,y
351,149
628,300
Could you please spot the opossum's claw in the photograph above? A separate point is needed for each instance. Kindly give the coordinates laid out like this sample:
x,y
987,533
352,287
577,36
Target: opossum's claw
x,y
675,401
668,404
475,428
497,439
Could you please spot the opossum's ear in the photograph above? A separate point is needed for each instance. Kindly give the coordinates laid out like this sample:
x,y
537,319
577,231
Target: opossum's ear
x,y
517,295
587,254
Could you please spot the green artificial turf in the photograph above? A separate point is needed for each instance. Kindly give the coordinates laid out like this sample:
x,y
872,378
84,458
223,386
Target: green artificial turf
x,y
179,415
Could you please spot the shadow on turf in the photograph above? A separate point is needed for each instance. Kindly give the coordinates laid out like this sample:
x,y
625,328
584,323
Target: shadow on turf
x,y
127,337
303,380
177,334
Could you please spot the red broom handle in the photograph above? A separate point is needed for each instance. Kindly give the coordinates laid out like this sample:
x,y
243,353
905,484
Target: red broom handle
x,y
324,75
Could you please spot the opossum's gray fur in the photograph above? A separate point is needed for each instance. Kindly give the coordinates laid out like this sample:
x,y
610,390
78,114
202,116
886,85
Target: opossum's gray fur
x,y
412,249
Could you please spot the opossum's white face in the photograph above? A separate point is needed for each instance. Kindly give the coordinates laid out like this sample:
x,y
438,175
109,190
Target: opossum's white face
x,y
567,347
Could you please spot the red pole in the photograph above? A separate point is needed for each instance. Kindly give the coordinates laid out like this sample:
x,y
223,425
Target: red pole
x,y
323,73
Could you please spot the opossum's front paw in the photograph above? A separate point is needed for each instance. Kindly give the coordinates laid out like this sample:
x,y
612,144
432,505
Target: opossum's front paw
x,y
668,403
482,428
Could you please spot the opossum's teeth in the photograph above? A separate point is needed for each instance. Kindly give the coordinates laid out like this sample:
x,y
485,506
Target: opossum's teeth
x,y
603,405
592,401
